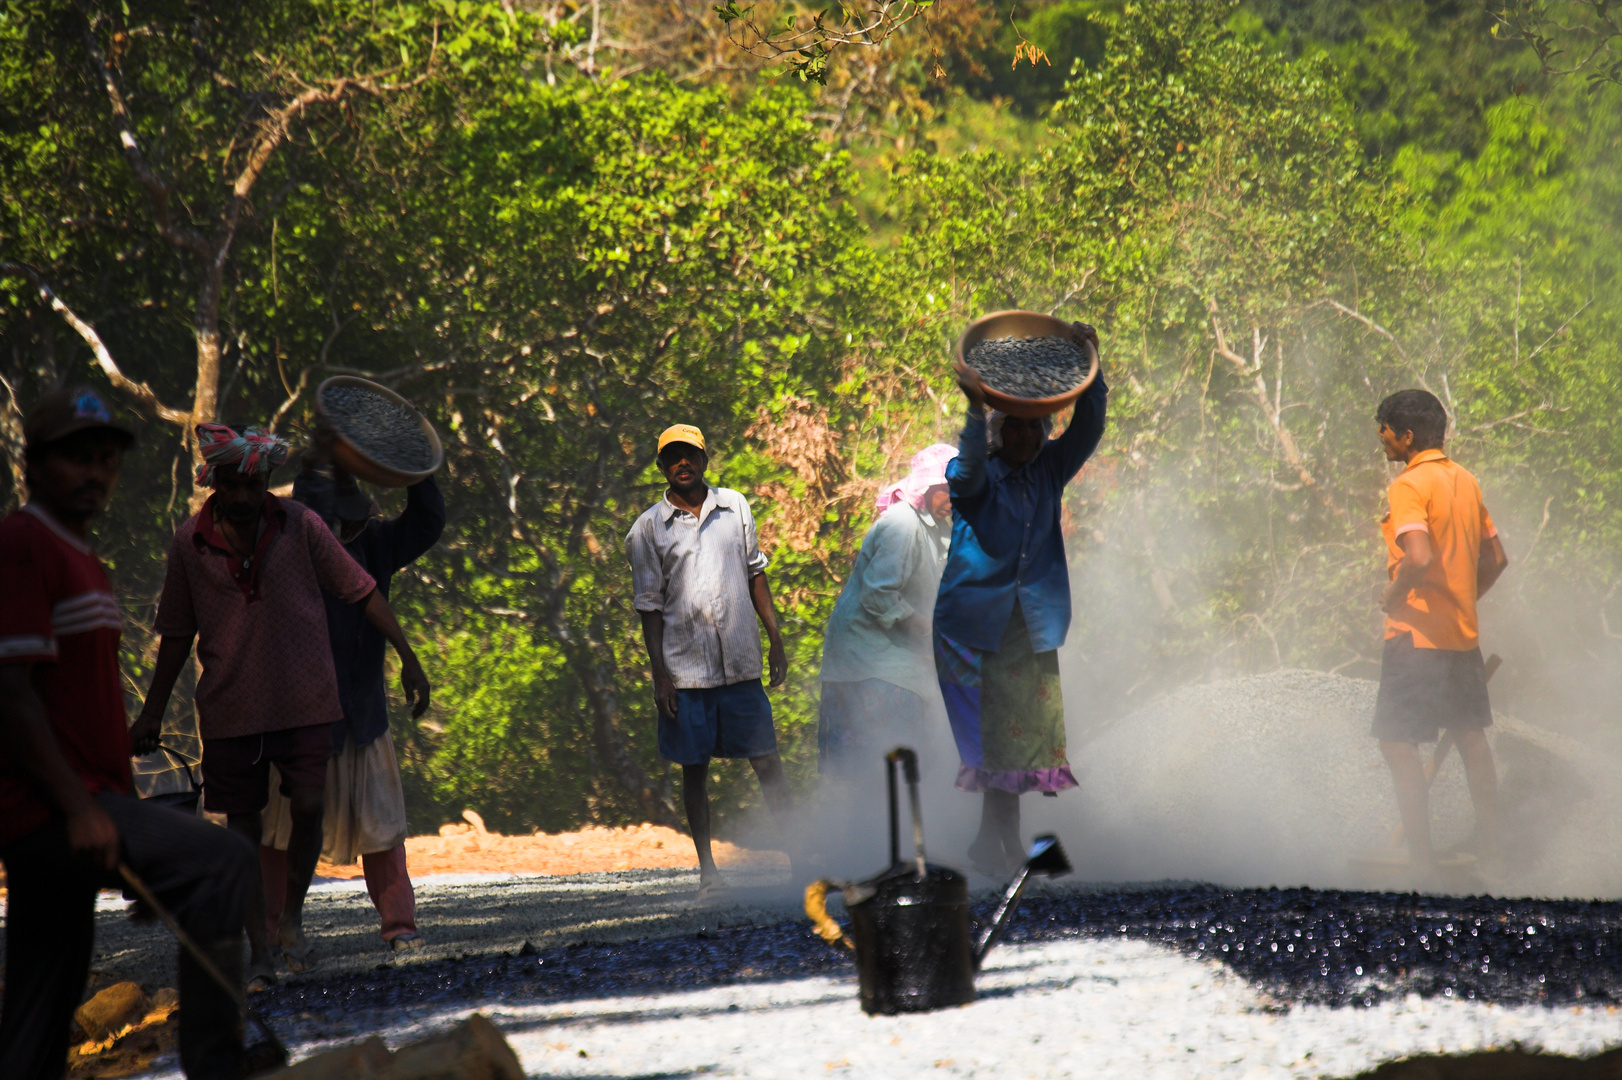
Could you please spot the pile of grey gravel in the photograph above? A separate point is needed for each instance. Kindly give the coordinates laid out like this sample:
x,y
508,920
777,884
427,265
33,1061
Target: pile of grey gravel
x,y
1029,367
385,430
1274,780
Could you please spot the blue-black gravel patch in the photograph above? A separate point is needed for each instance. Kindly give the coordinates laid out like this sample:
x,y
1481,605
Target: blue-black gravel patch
x,y
1298,946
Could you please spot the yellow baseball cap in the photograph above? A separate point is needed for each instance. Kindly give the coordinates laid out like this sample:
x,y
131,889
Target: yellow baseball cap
x,y
685,433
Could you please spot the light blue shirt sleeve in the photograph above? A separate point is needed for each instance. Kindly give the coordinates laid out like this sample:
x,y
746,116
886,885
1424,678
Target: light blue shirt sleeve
x,y
892,560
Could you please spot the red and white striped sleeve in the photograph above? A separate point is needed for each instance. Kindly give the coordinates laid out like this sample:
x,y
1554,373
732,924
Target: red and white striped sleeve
x,y
28,571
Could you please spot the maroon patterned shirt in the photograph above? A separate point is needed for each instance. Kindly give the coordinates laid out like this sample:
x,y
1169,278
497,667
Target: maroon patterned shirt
x,y
261,629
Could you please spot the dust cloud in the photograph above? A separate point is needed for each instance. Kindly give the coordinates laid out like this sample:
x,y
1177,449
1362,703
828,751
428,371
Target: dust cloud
x,y
1264,779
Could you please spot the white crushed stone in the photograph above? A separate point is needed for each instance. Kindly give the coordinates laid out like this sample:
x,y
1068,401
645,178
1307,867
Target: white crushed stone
x,y
1111,1008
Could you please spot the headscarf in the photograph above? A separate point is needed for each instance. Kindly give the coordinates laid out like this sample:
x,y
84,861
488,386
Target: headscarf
x,y
253,451
928,470
994,419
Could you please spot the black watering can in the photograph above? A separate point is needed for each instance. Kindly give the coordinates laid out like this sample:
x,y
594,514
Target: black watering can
x,y
910,925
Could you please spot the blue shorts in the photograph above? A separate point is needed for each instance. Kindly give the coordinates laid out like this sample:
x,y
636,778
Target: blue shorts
x,y
731,721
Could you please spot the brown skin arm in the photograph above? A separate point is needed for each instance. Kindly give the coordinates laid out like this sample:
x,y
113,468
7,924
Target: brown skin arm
x,y
30,745
653,637
1490,566
760,592
412,678
173,653
1416,560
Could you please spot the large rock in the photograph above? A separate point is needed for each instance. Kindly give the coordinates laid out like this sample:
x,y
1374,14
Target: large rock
x,y
1274,780
473,1050
112,1010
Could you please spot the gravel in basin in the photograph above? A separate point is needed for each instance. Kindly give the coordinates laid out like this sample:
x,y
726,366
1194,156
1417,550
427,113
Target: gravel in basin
x,y
385,430
1029,367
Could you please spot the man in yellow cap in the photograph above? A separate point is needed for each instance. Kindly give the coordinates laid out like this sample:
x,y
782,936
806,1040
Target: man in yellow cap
x,y
697,569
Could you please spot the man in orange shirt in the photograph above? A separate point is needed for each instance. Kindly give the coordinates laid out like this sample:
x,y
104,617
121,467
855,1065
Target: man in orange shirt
x,y
1443,553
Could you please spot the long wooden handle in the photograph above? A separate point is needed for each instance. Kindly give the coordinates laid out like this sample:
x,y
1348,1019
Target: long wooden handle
x,y
138,887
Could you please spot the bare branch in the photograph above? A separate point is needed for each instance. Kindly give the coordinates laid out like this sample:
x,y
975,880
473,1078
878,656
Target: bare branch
x,y
1372,325
141,392
1268,404
156,188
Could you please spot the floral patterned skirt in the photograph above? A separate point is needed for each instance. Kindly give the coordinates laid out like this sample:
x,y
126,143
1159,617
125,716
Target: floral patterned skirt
x,y
1006,711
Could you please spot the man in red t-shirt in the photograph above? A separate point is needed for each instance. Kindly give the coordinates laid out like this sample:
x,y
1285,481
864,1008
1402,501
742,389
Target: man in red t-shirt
x,y
67,814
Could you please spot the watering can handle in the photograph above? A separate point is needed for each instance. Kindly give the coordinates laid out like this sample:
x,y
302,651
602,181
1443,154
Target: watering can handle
x,y
909,766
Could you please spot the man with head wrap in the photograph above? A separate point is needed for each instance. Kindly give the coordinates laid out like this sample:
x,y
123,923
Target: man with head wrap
x,y
878,678
245,576
365,815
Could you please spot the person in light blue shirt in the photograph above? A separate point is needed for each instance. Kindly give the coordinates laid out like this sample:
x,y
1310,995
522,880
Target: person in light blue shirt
x,y
878,679
1004,608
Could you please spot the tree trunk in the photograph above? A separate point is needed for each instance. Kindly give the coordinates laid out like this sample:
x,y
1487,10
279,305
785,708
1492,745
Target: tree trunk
x,y
206,396
608,735
11,436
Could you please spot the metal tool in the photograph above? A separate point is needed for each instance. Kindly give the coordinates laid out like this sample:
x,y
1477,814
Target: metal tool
x,y
910,924
267,1054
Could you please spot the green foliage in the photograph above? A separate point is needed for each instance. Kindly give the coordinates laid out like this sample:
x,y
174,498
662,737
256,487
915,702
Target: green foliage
x,y
1274,213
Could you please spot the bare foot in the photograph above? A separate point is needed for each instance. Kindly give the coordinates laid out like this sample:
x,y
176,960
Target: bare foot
x,y
711,888
297,950
261,974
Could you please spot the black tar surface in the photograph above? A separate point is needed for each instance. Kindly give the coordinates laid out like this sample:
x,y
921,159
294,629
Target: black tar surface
x,y
1296,945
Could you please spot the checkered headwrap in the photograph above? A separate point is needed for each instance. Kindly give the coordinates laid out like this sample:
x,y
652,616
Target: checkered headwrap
x,y
253,451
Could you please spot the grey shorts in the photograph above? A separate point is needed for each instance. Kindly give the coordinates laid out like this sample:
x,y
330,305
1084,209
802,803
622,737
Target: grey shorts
x,y
1425,690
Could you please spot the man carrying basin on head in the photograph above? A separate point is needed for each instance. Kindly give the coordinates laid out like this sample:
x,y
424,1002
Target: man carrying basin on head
x,y
1004,608
245,578
365,815
1442,554
68,815
697,570
878,679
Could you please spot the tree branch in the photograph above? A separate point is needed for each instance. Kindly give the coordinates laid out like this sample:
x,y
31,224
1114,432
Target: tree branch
x,y
1268,405
141,392
156,188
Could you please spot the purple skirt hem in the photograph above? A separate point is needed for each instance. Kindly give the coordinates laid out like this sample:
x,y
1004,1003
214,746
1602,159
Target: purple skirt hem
x,y
971,779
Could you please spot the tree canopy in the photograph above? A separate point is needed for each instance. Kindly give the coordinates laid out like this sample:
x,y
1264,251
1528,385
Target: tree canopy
x,y
559,227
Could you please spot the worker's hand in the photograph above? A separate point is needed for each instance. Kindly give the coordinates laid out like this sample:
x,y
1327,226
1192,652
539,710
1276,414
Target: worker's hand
x,y
969,383
144,734
415,683
93,837
1390,599
918,624
664,693
1086,331
778,663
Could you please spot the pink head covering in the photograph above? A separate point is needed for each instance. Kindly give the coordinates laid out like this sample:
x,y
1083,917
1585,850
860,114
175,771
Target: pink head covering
x,y
928,470
253,451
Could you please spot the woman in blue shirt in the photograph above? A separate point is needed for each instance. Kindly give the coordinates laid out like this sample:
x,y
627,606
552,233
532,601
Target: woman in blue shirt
x,y
1004,608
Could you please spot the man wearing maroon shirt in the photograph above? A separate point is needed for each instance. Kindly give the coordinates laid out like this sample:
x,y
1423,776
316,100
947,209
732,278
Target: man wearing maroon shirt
x,y
67,814
244,580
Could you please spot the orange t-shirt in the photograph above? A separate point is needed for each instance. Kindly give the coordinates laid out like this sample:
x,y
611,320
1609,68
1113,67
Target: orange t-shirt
x,y
1435,495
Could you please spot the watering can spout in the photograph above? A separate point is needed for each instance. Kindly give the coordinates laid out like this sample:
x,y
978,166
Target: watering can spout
x,y
1046,859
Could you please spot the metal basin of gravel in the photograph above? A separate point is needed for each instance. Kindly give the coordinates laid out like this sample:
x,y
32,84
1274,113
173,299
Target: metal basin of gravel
x,y
1027,364
381,437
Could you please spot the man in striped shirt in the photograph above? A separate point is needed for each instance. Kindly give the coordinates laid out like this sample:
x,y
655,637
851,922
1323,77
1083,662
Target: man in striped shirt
x,y
67,814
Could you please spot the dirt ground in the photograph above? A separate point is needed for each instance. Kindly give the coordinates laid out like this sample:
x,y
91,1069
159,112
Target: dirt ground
x,y
466,847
